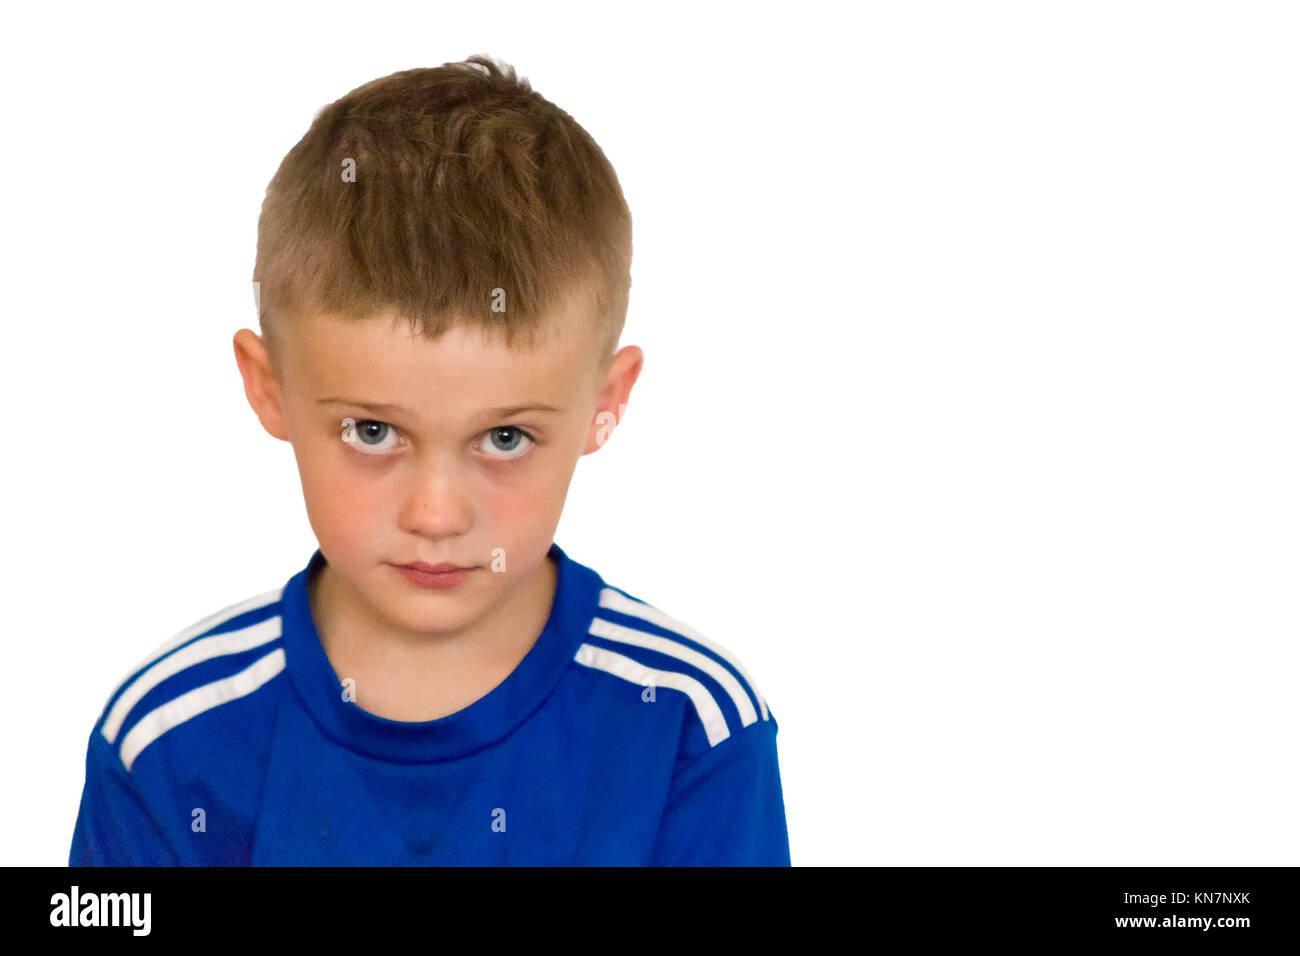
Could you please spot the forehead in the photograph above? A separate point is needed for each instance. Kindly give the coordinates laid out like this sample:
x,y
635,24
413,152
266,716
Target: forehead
x,y
385,359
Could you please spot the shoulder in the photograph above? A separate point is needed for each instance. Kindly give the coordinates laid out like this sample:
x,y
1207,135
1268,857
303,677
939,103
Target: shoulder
x,y
633,640
224,656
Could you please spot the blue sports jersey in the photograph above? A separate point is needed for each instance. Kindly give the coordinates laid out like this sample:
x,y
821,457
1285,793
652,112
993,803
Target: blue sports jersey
x,y
623,737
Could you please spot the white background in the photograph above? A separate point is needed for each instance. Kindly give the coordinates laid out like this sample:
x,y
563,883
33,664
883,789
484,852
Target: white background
x,y
968,420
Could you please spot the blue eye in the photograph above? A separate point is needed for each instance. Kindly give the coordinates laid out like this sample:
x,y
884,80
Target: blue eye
x,y
371,437
368,436
515,442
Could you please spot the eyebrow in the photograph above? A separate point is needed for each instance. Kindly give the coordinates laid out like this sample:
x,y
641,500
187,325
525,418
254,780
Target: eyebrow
x,y
384,409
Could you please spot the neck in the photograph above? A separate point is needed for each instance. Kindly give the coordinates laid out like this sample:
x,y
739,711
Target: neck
x,y
407,675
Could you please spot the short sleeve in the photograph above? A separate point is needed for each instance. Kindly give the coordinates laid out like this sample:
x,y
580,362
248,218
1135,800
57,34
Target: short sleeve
x,y
725,807
114,826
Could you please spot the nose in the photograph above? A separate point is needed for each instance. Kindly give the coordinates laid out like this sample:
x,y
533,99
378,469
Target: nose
x,y
436,502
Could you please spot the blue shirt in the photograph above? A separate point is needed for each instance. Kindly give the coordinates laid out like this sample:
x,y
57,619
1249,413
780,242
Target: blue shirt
x,y
623,737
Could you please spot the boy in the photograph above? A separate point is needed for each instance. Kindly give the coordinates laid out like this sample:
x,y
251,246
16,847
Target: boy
x,y
443,263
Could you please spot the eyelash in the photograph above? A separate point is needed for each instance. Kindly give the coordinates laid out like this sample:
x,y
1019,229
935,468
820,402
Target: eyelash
x,y
350,424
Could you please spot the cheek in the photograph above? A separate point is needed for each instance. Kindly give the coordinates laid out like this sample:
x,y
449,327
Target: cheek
x,y
527,506
342,500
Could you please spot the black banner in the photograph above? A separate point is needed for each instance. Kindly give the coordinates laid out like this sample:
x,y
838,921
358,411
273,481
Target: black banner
x,y
1231,907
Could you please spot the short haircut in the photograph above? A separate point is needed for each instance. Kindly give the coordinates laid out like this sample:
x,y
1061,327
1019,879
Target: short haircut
x,y
469,189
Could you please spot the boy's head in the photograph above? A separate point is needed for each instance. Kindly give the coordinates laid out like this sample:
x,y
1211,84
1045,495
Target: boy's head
x,y
441,247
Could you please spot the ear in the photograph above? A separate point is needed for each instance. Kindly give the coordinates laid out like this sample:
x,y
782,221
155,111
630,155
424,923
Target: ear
x,y
611,402
260,384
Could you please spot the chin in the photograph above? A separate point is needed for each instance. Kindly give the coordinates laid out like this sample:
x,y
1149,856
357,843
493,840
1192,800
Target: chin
x,y
438,623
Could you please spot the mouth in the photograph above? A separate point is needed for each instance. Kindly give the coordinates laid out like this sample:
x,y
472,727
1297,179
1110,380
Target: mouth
x,y
436,568
440,577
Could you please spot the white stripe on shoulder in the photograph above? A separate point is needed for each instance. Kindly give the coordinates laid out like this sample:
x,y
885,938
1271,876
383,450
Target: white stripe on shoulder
x,y
194,630
617,601
710,714
204,649
629,635
175,712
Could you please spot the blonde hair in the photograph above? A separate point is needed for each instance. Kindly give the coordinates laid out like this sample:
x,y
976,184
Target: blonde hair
x,y
468,189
